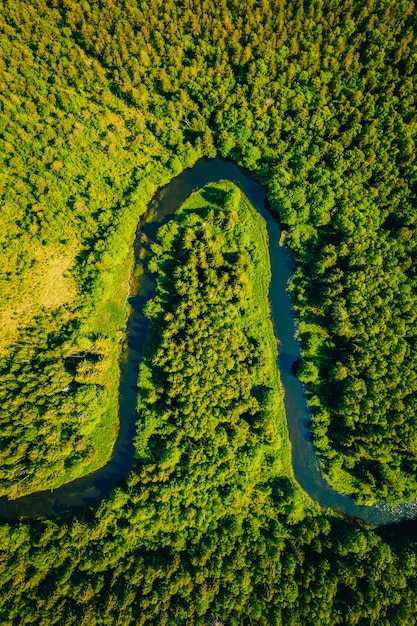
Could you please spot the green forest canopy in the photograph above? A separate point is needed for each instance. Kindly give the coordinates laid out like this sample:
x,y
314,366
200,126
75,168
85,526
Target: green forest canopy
x,y
210,524
209,386
100,105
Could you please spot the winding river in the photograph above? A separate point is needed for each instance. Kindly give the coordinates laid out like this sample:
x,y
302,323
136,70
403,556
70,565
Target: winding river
x,y
92,488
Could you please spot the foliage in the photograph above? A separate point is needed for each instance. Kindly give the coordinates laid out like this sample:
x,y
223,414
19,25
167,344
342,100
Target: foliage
x,y
317,100
73,190
209,401
209,526
101,103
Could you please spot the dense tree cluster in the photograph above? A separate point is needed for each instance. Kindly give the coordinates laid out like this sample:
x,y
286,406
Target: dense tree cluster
x,y
209,524
75,182
208,388
103,102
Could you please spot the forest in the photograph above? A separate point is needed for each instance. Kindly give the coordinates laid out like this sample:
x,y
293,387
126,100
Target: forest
x,y
101,104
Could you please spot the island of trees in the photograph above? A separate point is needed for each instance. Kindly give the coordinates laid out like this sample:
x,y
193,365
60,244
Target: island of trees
x,y
209,398
103,103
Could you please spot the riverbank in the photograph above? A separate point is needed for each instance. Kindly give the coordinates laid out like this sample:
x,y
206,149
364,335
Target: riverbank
x,y
92,488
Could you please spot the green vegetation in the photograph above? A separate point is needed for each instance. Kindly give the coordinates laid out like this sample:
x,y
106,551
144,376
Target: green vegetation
x,y
210,524
101,103
209,387
72,193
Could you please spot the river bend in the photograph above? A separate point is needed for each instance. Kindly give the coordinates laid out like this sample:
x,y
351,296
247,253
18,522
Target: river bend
x,y
93,487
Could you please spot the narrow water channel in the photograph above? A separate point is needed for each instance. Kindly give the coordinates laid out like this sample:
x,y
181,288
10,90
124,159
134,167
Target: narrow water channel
x,y
92,488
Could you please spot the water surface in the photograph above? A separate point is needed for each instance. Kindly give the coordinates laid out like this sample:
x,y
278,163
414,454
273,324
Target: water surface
x,y
92,488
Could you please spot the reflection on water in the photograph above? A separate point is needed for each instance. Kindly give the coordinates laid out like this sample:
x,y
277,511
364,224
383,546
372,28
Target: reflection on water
x,y
94,487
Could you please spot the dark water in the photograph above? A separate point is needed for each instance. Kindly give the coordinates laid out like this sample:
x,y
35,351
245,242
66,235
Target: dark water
x,y
94,487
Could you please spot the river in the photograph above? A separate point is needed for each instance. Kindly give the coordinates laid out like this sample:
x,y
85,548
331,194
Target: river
x,y
94,487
